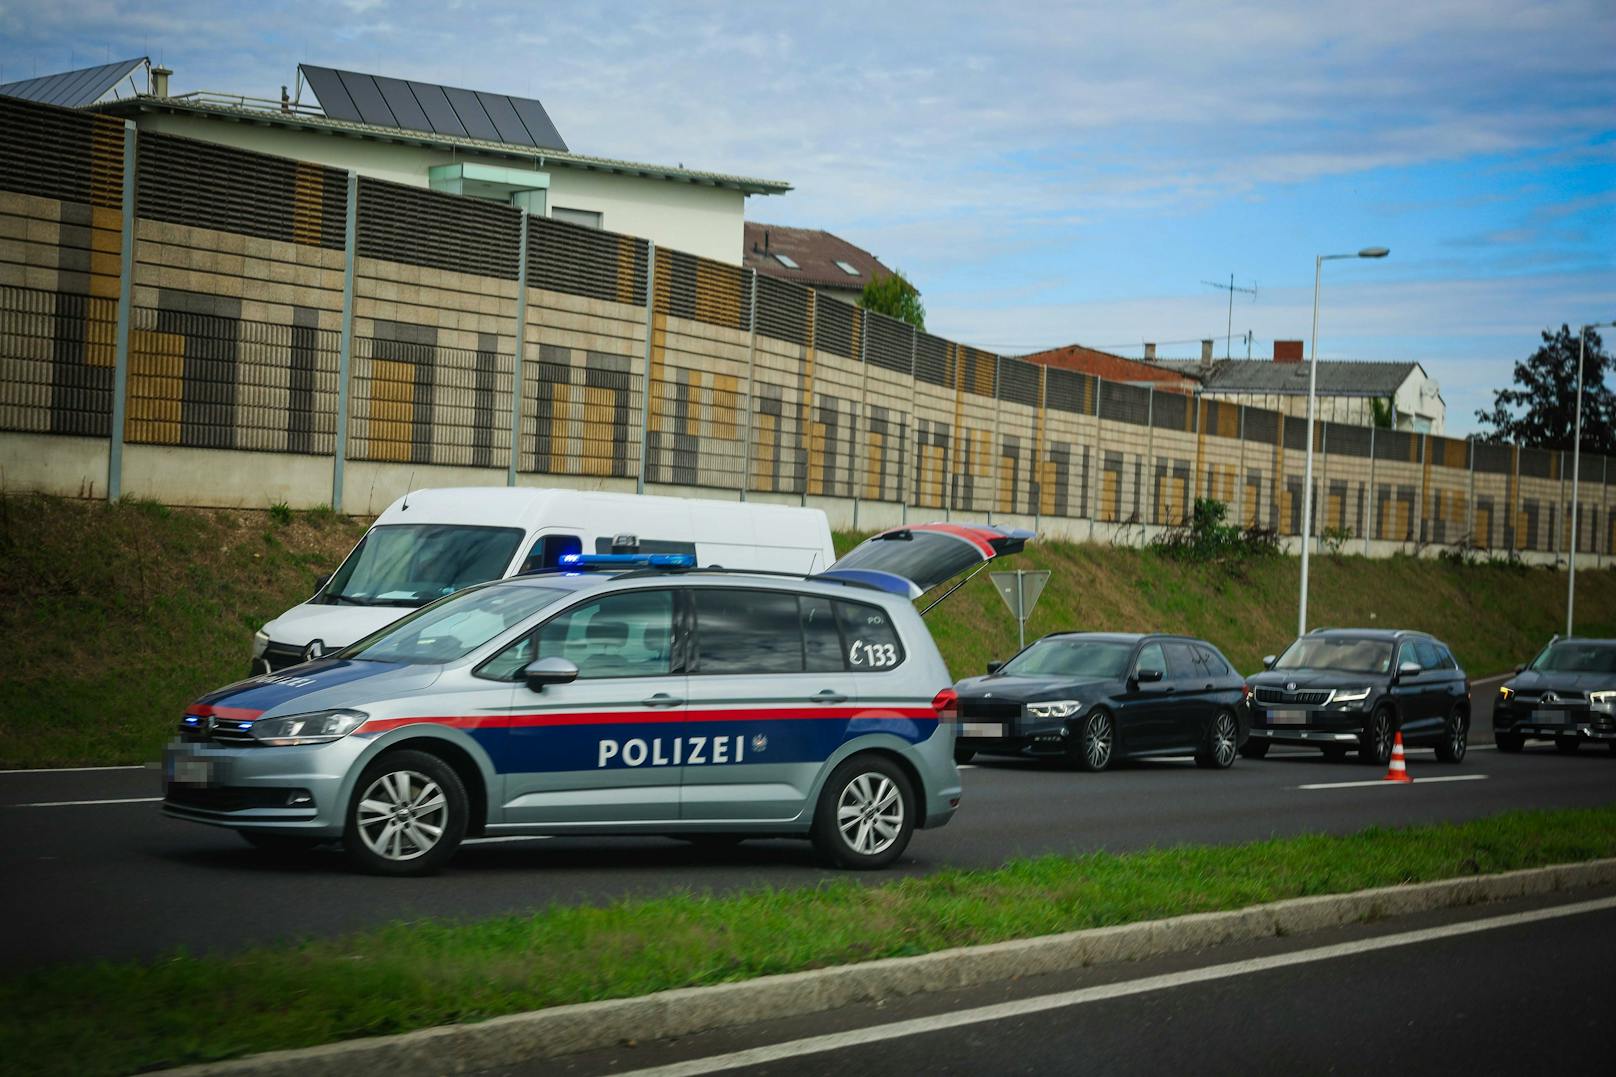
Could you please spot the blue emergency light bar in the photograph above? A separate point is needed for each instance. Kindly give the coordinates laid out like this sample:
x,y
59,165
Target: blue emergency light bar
x,y
628,560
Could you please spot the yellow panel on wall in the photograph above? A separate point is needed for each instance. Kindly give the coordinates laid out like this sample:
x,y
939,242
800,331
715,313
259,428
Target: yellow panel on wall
x,y
156,387
392,409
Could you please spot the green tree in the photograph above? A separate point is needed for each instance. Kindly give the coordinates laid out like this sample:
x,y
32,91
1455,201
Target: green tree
x,y
1541,409
895,297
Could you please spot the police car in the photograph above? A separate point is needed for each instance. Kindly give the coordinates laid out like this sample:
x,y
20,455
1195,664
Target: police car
x,y
618,694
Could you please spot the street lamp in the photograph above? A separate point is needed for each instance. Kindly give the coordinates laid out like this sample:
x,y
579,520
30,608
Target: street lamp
x,y
1576,469
1312,389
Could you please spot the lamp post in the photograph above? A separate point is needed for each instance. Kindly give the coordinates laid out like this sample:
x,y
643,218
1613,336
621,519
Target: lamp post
x,y
1576,470
1312,390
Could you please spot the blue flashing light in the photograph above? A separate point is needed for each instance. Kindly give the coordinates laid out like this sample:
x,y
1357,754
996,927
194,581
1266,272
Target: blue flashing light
x,y
244,725
191,720
629,560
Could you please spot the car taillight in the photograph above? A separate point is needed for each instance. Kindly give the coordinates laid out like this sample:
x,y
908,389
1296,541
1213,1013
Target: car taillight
x,y
946,704
1246,688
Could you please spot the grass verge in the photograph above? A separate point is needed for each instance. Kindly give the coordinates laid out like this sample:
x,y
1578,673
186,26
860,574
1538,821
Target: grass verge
x,y
116,1018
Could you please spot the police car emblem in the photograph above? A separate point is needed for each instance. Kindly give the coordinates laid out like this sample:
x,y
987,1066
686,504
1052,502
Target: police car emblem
x,y
213,723
759,742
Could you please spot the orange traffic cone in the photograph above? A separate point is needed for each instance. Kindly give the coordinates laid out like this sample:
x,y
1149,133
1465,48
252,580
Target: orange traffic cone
x,y
1398,771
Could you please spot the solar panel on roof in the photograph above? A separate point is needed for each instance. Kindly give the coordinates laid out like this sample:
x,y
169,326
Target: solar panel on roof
x,y
368,99
440,114
401,100
72,89
469,108
327,86
379,101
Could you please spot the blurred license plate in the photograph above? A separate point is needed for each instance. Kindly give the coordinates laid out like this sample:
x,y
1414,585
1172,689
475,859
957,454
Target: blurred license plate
x,y
1287,715
193,771
1551,717
982,729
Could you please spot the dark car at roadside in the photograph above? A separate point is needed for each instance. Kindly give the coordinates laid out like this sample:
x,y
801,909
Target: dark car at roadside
x,y
1092,698
1566,694
1351,689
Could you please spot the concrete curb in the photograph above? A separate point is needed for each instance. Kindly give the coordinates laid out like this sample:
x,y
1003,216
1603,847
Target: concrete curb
x,y
563,1030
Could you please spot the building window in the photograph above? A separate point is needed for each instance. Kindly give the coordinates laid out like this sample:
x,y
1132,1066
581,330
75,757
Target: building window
x,y
851,271
785,260
586,217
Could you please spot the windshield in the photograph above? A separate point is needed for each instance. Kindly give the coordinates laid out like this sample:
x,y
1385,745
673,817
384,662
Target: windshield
x,y
413,564
455,626
1577,658
1071,658
1349,655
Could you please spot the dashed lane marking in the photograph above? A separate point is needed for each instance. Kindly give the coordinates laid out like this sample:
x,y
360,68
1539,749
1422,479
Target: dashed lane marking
x,y
1382,781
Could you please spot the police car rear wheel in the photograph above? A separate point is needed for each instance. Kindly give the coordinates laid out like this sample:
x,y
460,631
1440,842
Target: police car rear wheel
x,y
866,814
407,816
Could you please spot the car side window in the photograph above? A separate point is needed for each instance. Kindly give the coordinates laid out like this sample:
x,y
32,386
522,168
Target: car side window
x,y
821,639
867,633
1151,658
628,634
743,631
1448,661
1215,665
1426,655
1181,662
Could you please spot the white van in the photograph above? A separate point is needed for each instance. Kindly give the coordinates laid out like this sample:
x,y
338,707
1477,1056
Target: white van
x,y
432,543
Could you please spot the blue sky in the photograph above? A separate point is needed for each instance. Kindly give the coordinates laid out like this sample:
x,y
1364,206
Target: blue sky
x,y
1052,173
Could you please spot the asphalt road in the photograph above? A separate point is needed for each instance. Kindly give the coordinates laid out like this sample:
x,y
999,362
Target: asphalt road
x,y
1474,991
118,880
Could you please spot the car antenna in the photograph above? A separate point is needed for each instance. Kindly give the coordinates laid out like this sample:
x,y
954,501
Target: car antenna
x,y
408,491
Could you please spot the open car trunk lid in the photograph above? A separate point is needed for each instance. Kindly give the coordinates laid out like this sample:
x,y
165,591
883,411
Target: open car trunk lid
x,y
913,559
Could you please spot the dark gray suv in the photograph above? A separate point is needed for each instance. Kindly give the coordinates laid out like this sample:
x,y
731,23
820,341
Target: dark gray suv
x,y
1346,689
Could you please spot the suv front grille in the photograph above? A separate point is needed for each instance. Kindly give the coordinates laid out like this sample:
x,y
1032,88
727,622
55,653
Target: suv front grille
x,y
1306,697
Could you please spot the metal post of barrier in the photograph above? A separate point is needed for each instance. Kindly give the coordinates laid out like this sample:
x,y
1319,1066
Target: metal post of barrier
x,y
521,348
909,463
862,414
1470,525
120,353
350,246
751,382
995,446
645,374
1150,454
1096,462
1370,502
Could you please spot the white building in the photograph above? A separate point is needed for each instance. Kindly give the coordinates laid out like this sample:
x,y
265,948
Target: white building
x,y
689,210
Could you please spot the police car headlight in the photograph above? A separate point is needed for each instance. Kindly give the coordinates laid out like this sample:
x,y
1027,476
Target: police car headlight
x,y
260,643
318,727
1055,708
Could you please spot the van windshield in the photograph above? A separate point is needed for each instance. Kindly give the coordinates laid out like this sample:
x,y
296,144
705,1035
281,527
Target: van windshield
x,y
451,629
413,564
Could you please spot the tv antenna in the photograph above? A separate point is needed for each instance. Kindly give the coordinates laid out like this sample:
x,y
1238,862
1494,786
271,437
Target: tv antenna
x,y
1228,336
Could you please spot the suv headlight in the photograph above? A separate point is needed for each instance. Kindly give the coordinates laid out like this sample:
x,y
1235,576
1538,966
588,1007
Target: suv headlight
x,y
1350,695
1056,708
317,727
260,643
1608,696
1506,693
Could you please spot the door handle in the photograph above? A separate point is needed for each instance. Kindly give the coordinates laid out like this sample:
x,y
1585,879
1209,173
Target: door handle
x,y
661,699
828,696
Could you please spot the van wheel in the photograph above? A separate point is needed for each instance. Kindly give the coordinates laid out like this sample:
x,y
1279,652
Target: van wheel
x,y
866,814
407,816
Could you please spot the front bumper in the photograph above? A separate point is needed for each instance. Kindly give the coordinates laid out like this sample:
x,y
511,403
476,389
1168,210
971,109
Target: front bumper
x,y
1596,722
1313,727
1015,736
298,790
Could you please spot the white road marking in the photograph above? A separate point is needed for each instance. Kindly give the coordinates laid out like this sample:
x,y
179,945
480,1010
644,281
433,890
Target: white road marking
x,y
967,766
72,770
515,837
1383,781
837,1041
79,803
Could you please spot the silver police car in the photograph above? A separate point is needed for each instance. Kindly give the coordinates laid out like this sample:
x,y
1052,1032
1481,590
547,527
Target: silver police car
x,y
622,694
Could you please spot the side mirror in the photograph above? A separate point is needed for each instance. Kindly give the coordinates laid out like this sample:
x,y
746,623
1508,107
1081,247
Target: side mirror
x,y
319,584
1409,669
994,667
1148,676
1268,660
543,671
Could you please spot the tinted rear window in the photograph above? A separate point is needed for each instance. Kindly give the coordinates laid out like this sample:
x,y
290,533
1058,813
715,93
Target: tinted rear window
x,y
747,631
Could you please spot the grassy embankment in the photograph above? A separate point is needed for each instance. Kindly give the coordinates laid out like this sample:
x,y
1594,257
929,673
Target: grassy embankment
x,y
116,616
117,1018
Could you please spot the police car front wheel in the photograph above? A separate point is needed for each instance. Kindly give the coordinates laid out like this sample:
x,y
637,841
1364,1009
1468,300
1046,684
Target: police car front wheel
x,y
866,814
407,816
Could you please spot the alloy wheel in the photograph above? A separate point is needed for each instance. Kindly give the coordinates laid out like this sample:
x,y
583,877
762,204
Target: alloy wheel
x,y
402,815
1097,742
1223,739
869,813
